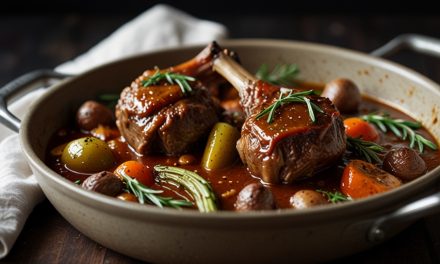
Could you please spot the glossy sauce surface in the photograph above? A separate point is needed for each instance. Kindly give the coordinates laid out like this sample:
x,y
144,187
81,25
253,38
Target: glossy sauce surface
x,y
290,119
228,182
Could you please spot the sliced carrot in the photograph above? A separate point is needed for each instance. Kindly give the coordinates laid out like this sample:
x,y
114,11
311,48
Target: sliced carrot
x,y
136,170
127,197
105,133
358,128
362,179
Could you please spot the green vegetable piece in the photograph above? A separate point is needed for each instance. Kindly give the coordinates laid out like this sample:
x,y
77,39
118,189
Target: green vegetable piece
x,y
146,194
87,154
199,188
220,151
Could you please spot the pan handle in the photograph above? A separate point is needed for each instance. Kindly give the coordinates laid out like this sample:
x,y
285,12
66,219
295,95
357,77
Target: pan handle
x,y
16,88
428,205
414,42
415,210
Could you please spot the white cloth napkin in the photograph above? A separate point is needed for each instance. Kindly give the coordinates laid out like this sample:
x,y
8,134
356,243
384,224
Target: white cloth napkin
x,y
159,27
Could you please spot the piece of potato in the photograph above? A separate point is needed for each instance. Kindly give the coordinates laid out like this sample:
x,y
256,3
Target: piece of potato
x,y
306,199
88,154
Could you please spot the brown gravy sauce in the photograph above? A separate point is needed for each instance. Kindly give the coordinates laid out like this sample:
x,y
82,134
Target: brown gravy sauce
x,y
228,182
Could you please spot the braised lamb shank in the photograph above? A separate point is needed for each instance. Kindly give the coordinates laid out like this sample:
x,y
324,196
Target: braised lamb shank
x,y
161,118
290,147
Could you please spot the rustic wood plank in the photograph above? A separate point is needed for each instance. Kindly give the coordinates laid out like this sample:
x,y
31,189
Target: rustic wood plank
x,y
48,238
42,237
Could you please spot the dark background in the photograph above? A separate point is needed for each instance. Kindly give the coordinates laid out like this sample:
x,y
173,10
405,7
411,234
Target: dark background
x,y
43,34
201,7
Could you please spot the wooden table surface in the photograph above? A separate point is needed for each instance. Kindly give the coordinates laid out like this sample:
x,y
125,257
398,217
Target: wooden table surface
x,y
43,41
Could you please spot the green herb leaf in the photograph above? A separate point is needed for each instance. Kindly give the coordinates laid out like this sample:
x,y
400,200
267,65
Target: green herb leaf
x,y
291,97
366,150
144,194
401,128
78,182
334,197
198,187
282,74
172,78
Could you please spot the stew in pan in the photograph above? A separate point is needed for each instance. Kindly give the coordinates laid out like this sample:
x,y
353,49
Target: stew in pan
x,y
207,134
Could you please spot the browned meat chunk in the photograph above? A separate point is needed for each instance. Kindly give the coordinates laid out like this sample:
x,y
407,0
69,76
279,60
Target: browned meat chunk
x,y
292,146
160,118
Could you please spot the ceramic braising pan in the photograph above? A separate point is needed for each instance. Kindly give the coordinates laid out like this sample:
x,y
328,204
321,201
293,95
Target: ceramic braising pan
x,y
171,236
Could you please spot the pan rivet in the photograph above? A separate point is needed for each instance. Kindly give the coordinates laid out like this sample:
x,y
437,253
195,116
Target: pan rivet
x,y
376,235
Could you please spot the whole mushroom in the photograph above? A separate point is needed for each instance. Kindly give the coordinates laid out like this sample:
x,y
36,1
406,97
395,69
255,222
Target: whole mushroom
x,y
104,182
344,94
254,197
404,163
91,114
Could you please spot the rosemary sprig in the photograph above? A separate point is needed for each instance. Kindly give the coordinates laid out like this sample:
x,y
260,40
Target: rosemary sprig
x,y
172,78
334,197
282,74
198,187
290,97
401,128
143,193
366,150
